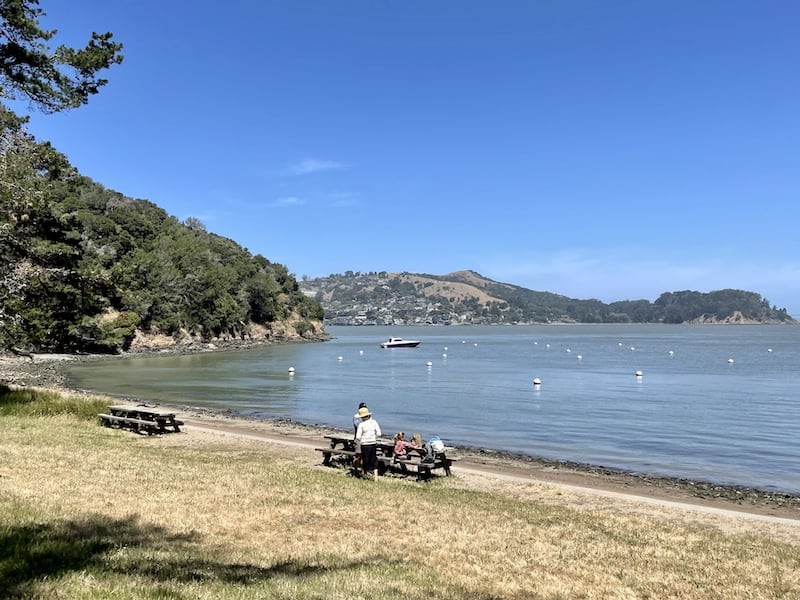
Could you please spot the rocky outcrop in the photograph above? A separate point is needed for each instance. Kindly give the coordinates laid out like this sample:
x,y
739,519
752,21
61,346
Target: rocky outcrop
x,y
735,318
291,330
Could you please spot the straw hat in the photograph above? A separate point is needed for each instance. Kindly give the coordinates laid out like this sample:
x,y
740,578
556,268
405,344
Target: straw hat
x,y
362,412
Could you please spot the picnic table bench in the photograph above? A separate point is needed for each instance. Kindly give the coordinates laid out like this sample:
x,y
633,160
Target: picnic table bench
x,y
341,449
140,419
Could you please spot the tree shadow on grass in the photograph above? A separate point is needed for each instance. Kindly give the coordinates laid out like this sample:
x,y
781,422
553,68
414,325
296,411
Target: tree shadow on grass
x,y
30,554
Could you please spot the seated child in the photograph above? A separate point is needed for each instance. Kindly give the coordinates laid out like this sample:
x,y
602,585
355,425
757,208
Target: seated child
x,y
401,446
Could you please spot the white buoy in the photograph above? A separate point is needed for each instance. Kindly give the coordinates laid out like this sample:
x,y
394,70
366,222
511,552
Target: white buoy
x,y
568,350
730,361
445,348
639,373
769,349
547,346
429,363
475,344
444,355
537,381
361,352
632,348
580,357
671,353
291,370
340,358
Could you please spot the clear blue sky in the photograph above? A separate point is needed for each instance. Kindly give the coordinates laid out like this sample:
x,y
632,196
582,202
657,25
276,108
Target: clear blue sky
x,y
611,149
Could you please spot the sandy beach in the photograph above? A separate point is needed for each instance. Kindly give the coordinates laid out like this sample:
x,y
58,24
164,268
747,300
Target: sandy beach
x,y
581,486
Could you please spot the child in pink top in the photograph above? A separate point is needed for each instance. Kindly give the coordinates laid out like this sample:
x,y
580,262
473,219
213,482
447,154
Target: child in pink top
x,y
401,446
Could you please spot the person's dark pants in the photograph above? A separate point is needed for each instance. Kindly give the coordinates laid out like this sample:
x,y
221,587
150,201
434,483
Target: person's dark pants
x,y
369,456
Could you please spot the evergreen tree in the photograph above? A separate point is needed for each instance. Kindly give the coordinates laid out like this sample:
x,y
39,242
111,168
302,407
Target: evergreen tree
x,y
50,79
42,294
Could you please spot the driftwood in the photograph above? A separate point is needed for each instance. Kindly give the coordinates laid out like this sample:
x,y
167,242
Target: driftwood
x,y
19,352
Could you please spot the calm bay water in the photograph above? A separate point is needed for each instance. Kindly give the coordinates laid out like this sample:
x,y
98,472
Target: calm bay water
x,y
714,403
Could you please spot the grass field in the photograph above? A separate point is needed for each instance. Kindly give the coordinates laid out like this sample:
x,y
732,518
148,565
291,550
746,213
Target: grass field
x,y
90,512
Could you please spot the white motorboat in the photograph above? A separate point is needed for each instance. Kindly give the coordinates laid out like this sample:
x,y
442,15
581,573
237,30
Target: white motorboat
x,y
399,343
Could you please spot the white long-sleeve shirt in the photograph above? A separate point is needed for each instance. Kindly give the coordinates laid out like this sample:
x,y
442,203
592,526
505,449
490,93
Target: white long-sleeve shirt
x,y
368,432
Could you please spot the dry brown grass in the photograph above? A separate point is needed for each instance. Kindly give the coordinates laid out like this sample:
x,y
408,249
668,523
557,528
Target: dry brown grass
x,y
203,516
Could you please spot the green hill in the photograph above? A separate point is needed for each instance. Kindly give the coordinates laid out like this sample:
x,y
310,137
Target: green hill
x,y
465,297
88,269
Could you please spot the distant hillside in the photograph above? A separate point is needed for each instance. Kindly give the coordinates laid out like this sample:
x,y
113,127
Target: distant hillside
x,y
466,297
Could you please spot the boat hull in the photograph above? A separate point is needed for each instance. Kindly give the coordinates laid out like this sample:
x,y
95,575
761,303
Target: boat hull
x,y
400,344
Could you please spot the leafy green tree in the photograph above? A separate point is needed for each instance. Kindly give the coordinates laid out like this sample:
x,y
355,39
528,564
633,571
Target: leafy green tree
x,y
42,295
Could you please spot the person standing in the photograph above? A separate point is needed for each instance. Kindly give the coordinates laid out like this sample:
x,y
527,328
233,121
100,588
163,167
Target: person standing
x,y
367,435
357,462
356,418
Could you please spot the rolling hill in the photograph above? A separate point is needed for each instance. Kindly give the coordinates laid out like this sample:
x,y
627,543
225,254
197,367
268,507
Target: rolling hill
x,y
466,297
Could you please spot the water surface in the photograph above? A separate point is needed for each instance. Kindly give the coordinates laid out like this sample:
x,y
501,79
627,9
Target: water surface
x,y
714,403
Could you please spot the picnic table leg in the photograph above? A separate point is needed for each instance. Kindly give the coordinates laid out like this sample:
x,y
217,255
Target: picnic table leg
x,y
326,458
423,472
446,464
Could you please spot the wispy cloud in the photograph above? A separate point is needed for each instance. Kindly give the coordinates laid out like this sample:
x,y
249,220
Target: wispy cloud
x,y
288,202
344,199
312,165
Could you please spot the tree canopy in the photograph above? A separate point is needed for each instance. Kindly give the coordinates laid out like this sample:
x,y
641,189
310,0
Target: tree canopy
x,y
85,267
51,79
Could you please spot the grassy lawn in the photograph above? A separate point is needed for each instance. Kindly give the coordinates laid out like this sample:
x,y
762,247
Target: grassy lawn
x,y
90,512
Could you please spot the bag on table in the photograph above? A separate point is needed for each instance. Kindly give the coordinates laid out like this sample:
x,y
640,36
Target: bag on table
x,y
434,446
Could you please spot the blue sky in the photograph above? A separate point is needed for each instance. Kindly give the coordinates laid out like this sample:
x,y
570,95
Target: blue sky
x,y
598,149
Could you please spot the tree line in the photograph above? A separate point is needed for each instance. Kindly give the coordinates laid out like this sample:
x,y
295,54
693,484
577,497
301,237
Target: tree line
x,y
522,304
85,267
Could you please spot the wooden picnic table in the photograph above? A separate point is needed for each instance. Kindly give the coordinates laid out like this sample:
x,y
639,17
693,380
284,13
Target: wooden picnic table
x,y
141,419
346,440
341,448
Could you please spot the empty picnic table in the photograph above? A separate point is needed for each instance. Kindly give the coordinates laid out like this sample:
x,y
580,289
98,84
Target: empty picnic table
x,y
141,419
